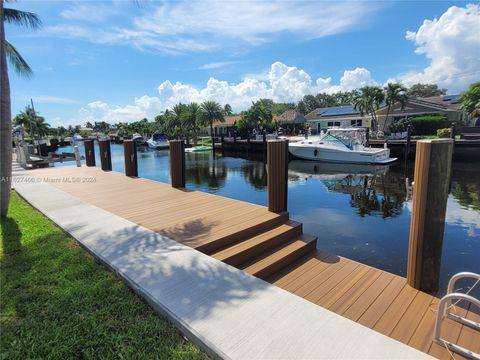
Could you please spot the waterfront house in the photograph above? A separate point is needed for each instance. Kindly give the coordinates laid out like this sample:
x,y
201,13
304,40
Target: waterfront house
x,y
344,116
291,121
226,127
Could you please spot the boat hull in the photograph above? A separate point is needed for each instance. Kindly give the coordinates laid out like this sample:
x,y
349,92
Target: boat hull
x,y
318,153
157,146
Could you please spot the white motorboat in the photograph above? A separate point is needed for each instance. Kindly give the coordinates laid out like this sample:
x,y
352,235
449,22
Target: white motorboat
x,y
341,145
158,141
137,137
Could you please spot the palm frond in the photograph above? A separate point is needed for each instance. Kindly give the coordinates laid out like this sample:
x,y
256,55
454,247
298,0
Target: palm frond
x,y
18,62
25,18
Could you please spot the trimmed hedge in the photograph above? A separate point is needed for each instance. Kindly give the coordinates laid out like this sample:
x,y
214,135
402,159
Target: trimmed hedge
x,y
428,125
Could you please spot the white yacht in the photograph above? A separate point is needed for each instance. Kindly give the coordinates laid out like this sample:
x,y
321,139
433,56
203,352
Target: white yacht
x,y
158,141
342,145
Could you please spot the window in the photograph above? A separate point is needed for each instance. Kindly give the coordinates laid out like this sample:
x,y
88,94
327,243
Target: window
x,y
330,124
356,122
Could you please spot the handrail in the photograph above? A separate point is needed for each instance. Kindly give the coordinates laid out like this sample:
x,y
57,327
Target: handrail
x,y
459,276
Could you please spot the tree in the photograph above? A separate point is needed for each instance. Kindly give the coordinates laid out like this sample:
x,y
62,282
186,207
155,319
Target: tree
x,y
367,101
210,112
394,93
41,127
425,90
227,109
21,67
190,119
26,119
259,116
470,100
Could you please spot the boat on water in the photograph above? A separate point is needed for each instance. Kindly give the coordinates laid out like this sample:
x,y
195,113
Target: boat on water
x,y
158,141
204,144
77,138
341,145
137,137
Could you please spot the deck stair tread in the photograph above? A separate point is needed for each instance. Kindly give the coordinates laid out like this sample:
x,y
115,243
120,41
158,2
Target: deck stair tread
x,y
242,251
279,257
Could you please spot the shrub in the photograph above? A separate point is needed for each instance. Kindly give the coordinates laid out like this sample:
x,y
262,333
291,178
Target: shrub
x,y
429,124
444,133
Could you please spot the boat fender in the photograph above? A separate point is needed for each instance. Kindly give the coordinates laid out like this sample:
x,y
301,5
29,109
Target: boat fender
x,y
315,153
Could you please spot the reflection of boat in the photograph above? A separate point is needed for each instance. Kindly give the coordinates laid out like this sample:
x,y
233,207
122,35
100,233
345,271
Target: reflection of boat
x,y
158,141
342,145
333,171
205,144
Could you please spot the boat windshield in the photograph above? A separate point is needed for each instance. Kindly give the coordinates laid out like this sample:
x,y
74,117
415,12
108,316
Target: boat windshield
x,y
348,137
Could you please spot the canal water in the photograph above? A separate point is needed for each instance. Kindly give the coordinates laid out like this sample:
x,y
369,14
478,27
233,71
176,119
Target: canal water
x,y
357,211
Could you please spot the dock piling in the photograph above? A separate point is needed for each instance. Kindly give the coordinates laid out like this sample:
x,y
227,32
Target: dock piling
x,y
130,154
77,156
89,152
430,193
277,175
177,163
105,155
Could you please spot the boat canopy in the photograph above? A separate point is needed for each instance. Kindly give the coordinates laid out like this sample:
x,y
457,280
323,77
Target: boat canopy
x,y
348,136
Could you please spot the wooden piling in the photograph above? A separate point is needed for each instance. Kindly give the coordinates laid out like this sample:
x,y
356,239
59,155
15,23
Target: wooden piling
x,y
130,154
89,152
277,175
177,163
430,193
105,155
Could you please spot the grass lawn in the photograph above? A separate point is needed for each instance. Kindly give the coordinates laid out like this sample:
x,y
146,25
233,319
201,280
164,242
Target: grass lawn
x,y
57,302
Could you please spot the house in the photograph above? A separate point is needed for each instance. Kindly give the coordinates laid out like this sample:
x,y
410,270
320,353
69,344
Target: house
x,y
223,128
344,116
290,121
447,105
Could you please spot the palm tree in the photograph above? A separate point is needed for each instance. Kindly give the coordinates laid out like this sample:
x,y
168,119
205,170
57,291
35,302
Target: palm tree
x,y
367,100
227,109
394,93
41,127
211,111
21,67
26,119
190,118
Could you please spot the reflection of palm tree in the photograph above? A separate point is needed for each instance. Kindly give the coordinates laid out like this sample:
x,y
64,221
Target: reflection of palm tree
x,y
211,173
255,174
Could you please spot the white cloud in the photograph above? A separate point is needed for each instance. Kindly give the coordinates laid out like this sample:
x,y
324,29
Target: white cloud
x,y
194,26
88,12
216,65
452,44
284,84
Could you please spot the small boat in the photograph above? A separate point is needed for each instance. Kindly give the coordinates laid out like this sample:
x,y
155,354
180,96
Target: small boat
x,y
158,141
77,138
205,144
341,145
137,137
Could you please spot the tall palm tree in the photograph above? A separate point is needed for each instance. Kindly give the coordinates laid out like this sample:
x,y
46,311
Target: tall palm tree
x,y
190,118
211,111
394,93
41,127
367,101
21,67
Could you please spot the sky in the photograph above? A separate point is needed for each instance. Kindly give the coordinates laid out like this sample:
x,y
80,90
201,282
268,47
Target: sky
x,y
125,60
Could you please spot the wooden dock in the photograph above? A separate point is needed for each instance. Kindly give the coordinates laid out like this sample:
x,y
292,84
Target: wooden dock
x,y
272,247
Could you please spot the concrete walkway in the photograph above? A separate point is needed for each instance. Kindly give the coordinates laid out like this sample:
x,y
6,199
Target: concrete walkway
x,y
227,312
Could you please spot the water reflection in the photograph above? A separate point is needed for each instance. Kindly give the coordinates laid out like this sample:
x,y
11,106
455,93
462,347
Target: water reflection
x,y
373,189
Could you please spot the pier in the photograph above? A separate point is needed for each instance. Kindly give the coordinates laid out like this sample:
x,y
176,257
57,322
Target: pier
x,y
270,246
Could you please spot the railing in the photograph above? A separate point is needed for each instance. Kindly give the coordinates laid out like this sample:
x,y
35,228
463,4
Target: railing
x,y
444,307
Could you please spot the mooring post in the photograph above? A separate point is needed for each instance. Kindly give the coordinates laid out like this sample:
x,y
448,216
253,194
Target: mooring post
x,y
433,160
177,163
452,131
222,139
277,175
407,144
105,155
130,153
77,156
89,152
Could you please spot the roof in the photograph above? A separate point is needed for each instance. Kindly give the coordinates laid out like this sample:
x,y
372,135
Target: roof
x,y
449,101
85,129
229,121
290,117
333,112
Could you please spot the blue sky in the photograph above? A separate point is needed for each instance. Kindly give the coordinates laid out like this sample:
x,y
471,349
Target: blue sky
x,y
122,60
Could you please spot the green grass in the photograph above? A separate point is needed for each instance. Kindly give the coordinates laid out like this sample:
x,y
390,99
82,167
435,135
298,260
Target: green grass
x,y
57,302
